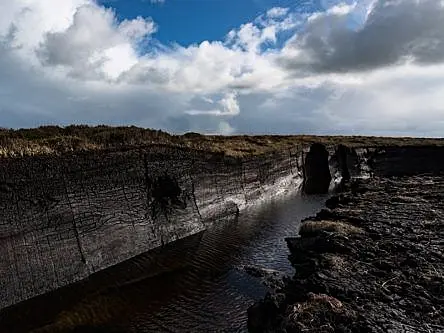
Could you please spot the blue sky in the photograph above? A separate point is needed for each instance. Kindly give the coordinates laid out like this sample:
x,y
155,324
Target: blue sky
x,y
370,67
194,21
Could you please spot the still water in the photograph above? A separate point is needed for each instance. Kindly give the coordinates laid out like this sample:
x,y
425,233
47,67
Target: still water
x,y
208,292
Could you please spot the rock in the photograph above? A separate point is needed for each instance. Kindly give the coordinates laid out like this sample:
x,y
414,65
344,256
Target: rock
x,y
260,272
271,278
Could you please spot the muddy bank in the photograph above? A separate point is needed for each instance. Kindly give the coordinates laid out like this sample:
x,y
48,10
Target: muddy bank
x,y
372,262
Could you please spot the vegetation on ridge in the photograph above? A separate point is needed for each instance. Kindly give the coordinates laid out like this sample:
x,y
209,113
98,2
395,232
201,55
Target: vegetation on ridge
x,y
58,140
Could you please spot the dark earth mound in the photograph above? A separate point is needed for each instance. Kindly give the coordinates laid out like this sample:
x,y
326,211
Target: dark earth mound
x,y
317,175
372,262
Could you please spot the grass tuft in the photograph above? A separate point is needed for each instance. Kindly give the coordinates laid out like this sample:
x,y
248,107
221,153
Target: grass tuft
x,y
313,228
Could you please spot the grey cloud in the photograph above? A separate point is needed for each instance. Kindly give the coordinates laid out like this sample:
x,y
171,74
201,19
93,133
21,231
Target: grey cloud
x,y
395,31
84,47
397,101
29,98
74,47
140,74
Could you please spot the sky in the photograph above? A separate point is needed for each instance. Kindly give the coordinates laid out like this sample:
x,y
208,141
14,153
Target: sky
x,y
364,67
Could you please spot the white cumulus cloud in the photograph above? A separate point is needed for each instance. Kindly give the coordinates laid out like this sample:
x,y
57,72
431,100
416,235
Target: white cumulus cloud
x,y
229,106
362,67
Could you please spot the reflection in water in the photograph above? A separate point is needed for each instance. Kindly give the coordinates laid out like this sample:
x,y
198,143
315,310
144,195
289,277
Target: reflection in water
x,y
207,293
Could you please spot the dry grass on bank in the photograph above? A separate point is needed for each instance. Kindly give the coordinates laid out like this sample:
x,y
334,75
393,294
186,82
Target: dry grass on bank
x,y
57,140
306,316
316,227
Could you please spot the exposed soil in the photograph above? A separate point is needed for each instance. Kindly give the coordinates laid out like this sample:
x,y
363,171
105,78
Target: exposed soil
x,y
372,262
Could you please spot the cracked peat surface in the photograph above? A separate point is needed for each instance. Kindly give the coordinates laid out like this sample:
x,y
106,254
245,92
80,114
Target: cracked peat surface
x,y
372,262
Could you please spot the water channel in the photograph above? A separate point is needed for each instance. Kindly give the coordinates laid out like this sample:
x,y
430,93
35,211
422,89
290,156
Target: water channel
x,y
207,292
